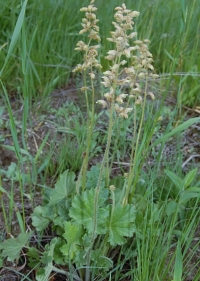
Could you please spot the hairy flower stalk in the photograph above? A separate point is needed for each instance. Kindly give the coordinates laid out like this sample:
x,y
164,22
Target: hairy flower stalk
x,y
113,80
144,67
127,70
88,67
90,64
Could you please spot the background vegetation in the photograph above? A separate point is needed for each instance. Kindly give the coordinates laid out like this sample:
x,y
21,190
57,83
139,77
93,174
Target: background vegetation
x,y
51,32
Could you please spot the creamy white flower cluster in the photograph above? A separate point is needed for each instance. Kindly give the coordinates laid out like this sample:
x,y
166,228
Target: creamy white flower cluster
x,y
140,65
131,61
89,24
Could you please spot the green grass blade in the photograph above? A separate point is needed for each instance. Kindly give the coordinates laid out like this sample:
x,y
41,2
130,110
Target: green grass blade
x,y
178,264
12,123
182,127
15,36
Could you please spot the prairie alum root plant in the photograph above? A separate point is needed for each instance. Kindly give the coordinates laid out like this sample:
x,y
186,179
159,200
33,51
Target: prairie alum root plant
x,y
98,216
131,68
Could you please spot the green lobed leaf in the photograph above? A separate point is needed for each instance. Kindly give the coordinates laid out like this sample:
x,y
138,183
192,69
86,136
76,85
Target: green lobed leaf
x,y
93,176
73,232
63,188
121,224
65,250
82,210
13,246
40,218
63,210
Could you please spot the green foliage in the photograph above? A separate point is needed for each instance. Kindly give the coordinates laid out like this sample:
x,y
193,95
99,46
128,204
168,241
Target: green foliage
x,y
180,128
63,188
121,224
73,235
15,35
12,247
82,210
92,177
71,123
178,264
172,27
47,260
41,217
183,192
82,217
59,201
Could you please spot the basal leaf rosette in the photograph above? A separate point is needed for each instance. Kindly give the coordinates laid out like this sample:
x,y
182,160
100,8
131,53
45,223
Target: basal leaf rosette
x,y
116,222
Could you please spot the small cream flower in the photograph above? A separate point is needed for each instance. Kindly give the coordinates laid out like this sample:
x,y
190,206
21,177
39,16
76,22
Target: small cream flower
x,y
130,70
125,112
111,55
160,118
138,100
112,187
84,88
89,26
81,46
92,75
152,95
155,76
120,98
137,90
89,9
106,81
103,103
109,96
122,112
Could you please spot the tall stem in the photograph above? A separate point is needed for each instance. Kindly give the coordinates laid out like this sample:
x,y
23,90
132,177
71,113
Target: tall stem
x,y
135,151
89,138
98,188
